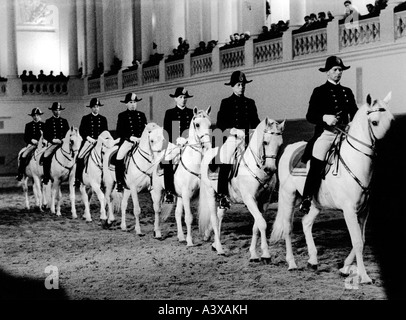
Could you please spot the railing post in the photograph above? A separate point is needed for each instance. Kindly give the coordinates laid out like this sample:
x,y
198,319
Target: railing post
x,y
187,65
249,53
333,36
14,87
140,79
287,45
215,55
76,86
120,79
102,83
162,71
387,23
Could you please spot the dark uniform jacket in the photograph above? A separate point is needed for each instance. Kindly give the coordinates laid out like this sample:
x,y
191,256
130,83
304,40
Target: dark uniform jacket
x,y
55,128
329,99
238,112
32,131
92,126
130,123
176,121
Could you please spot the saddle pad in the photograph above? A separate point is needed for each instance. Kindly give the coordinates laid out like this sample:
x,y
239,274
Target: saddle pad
x,y
296,166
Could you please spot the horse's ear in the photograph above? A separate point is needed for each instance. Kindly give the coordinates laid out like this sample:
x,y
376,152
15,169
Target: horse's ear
x,y
369,99
208,110
195,111
388,97
282,125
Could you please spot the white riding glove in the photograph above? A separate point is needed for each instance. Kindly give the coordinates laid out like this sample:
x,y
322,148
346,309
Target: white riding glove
x,y
91,140
135,139
330,119
33,141
56,141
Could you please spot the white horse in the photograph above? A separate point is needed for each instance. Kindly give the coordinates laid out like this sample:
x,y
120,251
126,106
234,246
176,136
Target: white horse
x,y
345,187
92,175
187,174
34,171
138,175
252,185
62,163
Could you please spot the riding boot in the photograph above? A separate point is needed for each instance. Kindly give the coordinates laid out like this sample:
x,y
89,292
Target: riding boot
x,y
120,168
47,169
312,183
222,186
169,183
21,168
80,165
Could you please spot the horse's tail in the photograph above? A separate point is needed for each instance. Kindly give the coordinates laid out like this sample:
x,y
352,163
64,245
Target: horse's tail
x,y
207,202
116,200
286,196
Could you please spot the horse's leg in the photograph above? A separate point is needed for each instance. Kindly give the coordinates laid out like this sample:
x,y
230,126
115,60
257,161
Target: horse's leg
x,y
24,184
260,224
307,224
156,196
215,219
59,199
102,201
86,215
357,241
72,196
124,202
178,217
136,210
53,195
188,219
283,223
109,201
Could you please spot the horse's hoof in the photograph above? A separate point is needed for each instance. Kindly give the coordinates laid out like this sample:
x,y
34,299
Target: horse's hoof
x,y
222,254
141,234
266,260
159,238
255,260
312,266
182,241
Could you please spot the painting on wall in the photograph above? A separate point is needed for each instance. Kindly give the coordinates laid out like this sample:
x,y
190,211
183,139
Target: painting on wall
x,y
35,15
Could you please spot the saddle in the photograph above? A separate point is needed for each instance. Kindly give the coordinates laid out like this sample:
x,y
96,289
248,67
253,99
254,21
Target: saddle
x,y
41,159
298,168
113,158
175,161
213,170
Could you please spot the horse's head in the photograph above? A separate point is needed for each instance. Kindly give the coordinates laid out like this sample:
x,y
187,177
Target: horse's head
x,y
105,139
153,138
74,139
200,126
266,142
379,116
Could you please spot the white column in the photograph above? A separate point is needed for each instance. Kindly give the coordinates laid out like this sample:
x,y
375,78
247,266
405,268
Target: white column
x,y
193,23
297,9
147,31
225,21
81,35
11,41
73,40
108,23
91,44
127,21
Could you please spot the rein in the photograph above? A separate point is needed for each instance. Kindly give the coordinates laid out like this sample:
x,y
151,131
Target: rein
x,y
68,155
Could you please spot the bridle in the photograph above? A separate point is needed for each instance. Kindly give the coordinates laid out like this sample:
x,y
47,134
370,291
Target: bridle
x,y
69,155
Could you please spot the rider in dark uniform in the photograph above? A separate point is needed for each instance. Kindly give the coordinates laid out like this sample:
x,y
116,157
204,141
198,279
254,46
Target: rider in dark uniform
x,y
90,128
55,129
331,105
176,121
236,111
32,134
130,125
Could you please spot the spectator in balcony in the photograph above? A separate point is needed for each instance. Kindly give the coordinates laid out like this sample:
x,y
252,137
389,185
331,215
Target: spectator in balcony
x,y
400,7
55,129
264,35
210,45
201,49
31,76
350,10
176,122
61,77
32,134
134,66
331,105
42,76
90,128
306,25
322,20
236,111
24,76
130,125
330,16
51,76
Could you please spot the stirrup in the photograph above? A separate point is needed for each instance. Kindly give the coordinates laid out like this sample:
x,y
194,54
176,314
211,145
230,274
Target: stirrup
x,y
120,187
19,177
77,183
224,202
45,180
169,197
305,205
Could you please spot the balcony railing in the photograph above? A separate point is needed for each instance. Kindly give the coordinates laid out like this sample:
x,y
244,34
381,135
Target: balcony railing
x,y
93,86
174,70
3,88
111,83
130,79
150,74
201,64
44,88
400,24
268,51
232,58
364,32
310,42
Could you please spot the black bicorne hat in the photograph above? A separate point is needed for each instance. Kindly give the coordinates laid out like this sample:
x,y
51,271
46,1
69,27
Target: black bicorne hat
x,y
95,102
35,111
180,91
131,97
237,76
56,106
333,61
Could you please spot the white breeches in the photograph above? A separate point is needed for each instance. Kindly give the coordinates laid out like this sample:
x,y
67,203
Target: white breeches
x,y
323,144
124,148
